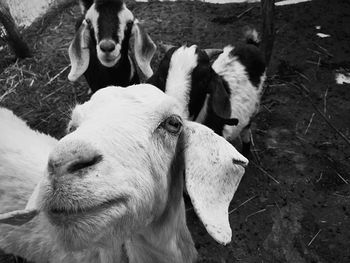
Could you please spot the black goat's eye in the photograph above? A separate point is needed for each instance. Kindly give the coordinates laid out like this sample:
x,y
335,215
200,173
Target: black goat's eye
x,y
173,124
88,22
71,128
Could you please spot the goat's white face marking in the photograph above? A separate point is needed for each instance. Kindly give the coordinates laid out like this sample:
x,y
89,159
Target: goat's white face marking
x,y
124,141
125,16
108,46
178,83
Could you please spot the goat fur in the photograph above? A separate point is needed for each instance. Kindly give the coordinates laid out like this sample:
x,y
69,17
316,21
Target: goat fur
x,y
142,166
113,22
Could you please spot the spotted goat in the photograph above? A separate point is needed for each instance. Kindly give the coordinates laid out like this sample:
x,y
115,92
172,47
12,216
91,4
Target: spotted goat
x,y
224,96
100,48
185,73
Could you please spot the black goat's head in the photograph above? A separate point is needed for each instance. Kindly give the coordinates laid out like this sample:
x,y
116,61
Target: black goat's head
x,y
105,32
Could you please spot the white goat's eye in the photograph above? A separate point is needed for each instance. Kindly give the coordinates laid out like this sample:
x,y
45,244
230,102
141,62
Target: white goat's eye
x,y
173,124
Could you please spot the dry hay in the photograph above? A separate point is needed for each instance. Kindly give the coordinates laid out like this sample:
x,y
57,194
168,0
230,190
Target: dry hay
x,y
37,88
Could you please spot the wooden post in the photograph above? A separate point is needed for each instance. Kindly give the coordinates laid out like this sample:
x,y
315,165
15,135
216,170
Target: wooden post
x,y
13,36
268,30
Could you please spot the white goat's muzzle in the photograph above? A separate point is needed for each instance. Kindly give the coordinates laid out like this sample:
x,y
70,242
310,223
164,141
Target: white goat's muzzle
x,y
72,164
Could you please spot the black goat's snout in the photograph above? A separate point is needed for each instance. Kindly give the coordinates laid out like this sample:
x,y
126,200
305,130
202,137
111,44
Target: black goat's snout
x,y
107,46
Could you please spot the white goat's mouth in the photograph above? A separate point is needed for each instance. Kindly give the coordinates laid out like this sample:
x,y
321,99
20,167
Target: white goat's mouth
x,y
59,215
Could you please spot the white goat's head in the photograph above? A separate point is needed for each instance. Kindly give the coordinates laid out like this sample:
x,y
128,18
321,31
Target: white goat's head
x,y
120,169
105,32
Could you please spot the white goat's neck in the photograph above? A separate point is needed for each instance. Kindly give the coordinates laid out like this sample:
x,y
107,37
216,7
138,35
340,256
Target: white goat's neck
x,y
169,242
167,239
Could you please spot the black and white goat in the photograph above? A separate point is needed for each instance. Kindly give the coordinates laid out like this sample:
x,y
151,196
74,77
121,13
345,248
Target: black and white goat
x,y
186,74
100,48
242,69
224,96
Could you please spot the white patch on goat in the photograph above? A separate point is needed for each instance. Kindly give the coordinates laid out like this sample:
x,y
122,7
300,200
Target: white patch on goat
x,y
178,83
125,16
92,16
245,97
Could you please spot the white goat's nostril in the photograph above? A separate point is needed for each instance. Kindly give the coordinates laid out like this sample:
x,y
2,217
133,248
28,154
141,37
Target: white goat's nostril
x,y
107,46
72,156
84,163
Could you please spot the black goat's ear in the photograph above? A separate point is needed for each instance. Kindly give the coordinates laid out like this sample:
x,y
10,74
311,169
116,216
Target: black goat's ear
x,y
144,49
79,53
85,5
212,52
220,98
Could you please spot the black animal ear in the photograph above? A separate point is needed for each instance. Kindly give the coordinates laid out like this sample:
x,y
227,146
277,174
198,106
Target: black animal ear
x,y
85,5
144,49
212,52
220,97
79,53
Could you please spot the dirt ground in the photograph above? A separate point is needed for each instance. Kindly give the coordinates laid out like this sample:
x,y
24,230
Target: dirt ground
x,y
293,204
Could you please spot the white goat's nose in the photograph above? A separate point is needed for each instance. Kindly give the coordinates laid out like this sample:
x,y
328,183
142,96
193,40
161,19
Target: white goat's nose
x,y
72,158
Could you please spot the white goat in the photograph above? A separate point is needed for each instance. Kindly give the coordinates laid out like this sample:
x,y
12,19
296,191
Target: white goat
x,y
112,191
23,158
224,96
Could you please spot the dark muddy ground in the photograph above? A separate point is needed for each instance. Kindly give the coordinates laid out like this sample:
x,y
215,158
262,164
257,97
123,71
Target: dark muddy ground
x,y
293,204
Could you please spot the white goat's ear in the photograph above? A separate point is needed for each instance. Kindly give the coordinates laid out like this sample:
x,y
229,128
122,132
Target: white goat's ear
x,y
79,53
220,98
213,170
18,217
33,201
144,49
